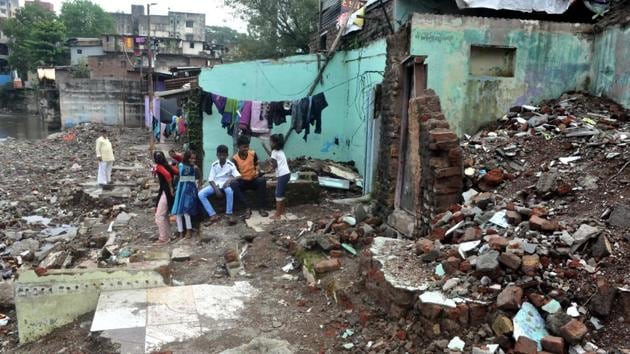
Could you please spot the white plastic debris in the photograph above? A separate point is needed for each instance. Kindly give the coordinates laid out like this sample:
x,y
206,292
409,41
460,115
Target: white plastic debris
x,y
596,323
465,247
348,346
439,270
499,219
456,344
349,220
469,195
437,298
573,310
288,268
567,160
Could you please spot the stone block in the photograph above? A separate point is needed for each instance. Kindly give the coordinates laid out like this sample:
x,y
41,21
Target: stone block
x,y
327,265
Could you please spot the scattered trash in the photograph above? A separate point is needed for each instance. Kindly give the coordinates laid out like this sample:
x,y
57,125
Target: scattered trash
x,y
349,248
456,344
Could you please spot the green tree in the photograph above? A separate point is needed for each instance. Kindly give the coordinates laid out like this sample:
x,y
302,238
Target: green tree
x,y
222,35
84,18
36,39
276,27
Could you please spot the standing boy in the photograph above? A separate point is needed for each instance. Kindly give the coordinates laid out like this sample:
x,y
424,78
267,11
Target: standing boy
x,y
105,156
222,173
246,162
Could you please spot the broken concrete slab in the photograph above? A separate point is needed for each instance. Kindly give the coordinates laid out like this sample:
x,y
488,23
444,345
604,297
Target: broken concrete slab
x,y
262,345
180,254
58,297
169,314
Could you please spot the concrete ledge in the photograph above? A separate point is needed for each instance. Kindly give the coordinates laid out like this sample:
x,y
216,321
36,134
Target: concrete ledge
x,y
58,297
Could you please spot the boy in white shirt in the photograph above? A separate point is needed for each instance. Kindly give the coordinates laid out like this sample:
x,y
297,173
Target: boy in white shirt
x,y
279,162
222,173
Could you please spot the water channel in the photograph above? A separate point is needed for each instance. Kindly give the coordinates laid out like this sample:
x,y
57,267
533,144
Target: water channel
x,y
21,125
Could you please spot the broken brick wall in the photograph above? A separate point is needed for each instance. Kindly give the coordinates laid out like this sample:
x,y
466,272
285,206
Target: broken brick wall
x,y
437,162
388,158
441,167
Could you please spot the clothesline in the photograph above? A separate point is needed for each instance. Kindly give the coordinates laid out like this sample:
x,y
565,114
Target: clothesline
x,y
255,117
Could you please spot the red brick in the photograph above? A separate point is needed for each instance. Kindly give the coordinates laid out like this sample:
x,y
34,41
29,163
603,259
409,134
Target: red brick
x,y
553,344
525,345
493,177
471,234
451,265
510,298
510,260
497,242
336,253
573,332
465,266
537,299
478,313
457,217
448,172
540,224
455,156
327,265
513,217
430,311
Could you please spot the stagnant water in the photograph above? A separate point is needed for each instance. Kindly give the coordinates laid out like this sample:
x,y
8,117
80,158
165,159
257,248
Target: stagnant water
x,y
23,126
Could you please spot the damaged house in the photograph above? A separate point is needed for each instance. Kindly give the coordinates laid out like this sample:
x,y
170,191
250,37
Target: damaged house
x,y
476,58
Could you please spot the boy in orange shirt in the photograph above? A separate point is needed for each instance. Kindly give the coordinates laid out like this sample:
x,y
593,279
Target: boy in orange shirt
x,y
246,162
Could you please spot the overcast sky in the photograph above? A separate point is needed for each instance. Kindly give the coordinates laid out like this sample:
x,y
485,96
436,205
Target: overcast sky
x,y
217,14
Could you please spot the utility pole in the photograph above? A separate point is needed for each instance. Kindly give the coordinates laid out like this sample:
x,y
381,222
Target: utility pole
x,y
150,73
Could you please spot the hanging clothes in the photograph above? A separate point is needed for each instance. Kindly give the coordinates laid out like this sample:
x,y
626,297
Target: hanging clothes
x,y
259,124
278,113
245,114
230,111
318,104
299,114
156,129
206,103
181,126
219,102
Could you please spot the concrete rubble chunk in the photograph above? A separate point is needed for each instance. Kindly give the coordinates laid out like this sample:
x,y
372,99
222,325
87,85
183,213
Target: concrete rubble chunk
x,y
556,320
620,216
510,260
584,233
547,181
180,254
529,323
488,262
601,247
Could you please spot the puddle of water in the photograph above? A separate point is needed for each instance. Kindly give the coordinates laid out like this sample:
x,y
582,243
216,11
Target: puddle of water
x,y
22,126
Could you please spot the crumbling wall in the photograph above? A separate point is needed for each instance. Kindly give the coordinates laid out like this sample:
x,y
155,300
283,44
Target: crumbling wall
x,y
441,167
387,165
611,67
111,102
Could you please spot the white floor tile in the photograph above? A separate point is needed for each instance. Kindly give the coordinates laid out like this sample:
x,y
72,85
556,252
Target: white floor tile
x,y
120,309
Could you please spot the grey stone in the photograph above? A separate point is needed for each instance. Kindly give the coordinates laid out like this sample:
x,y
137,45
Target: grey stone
x,y
44,251
557,320
601,247
180,254
23,245
620,216
537,120
588,182
14,235
601,303
566,238
360,213
367,229
122,219
488,261
328,242
6,294
547,182
584,233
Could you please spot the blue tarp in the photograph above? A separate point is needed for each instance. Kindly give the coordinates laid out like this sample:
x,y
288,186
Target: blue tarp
x,y
5,79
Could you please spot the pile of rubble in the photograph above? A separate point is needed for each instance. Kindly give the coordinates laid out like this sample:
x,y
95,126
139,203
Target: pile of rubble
x,y
535,258
51,202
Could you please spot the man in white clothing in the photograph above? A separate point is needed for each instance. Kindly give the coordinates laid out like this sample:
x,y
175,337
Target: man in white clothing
x,y
105,155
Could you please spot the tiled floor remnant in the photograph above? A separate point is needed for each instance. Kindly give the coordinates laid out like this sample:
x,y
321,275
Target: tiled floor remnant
x,y
143,320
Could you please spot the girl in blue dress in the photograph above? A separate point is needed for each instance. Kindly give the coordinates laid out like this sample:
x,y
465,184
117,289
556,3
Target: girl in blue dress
x,y
185,204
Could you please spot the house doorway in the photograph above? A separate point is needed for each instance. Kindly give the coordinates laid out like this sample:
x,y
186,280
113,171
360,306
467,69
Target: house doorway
x,y
408,199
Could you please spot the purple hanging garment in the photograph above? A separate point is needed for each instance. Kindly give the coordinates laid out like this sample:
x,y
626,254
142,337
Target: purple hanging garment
x,y
245,116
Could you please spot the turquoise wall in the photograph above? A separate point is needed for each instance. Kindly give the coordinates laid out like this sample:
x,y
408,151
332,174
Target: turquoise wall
x,y
348,82
611,65
550,59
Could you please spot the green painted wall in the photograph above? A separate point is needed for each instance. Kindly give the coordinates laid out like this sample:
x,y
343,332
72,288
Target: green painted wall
x,y
348,83
611,65
550,59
